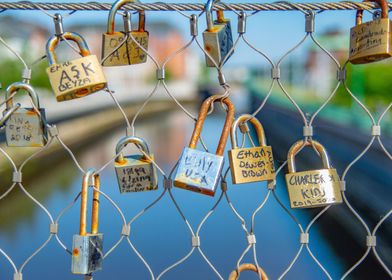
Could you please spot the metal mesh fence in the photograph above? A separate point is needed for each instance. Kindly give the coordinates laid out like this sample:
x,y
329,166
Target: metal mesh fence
x,y
244,11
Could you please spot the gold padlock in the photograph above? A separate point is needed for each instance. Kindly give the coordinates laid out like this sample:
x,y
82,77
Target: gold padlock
x,y
197,170
234,275
312,188
218,38
75,78
129,52
250,164
371,41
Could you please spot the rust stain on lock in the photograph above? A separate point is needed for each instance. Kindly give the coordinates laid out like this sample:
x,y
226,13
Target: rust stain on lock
x,y
75,252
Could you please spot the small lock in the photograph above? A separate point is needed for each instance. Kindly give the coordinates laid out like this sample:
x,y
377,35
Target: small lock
x,y
75,78
129,52
135,173
87,254
312,188
218,38
371,41
25,127
235,274
250,164
197,170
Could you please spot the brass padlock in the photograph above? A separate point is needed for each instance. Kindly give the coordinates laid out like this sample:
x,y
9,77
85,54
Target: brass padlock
x,y
129,52
25,127
135,173
312,188
197,170
87,254
75,78
218,39
371,41
235,274
250,164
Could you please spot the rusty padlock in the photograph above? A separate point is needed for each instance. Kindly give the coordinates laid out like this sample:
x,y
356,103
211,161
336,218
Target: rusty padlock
x,y
218,39
234,275
129,52
197,170
135,173
250,164
87,254
25,127
312,188
75,78
371,41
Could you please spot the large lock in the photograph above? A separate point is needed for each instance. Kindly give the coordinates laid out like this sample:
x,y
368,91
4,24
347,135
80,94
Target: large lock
x,y
197,170
25,127
129,52
312,188
218,39
371,41
250,164
87,254
135,173
75,78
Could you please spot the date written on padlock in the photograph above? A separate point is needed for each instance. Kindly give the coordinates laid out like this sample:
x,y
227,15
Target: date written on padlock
x,y
250,164
135,173
197,170
25,126
312,188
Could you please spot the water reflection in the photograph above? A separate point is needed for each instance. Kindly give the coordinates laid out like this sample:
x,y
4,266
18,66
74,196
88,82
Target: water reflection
x,y
160,234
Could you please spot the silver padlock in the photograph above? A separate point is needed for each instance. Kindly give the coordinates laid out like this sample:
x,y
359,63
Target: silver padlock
x,y
197,170
87,254
25,127
135,173
218,38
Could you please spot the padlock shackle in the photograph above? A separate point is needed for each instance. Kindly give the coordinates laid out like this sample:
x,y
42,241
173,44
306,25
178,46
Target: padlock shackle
x,y
298,146
247,266
71,36
16,87
256,125
209,17
384,10
202,116
90,178
112,15
139,142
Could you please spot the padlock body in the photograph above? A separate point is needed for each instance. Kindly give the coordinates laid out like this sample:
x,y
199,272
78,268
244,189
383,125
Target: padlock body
x,y
370,41
218,42
251,164
25,128
136,173
87,254
129,53
76,78
198,171
313,188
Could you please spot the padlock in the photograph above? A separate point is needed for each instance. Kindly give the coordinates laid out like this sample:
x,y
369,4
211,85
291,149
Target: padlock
x,y
312,188
250,164
129,52
25,127
75,78
218,39
371,41
87,254
200,171
135,173
235,274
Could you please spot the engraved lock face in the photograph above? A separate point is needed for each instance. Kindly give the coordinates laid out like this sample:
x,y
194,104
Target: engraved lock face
x,y
250,164
75,78
312,188
87,248
116,52
200,171
25,126
218,40
371,41
135,173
